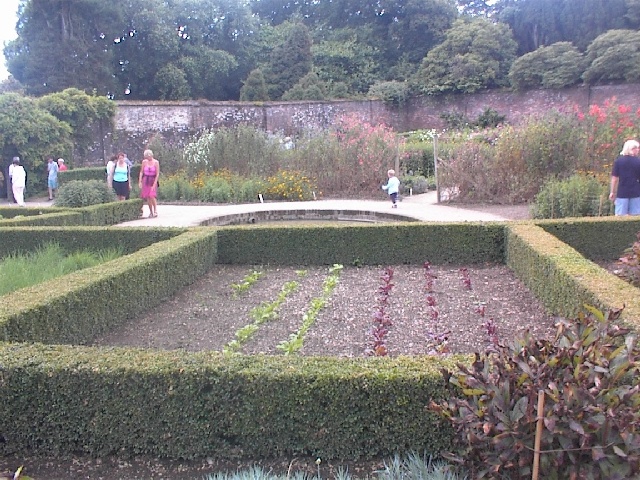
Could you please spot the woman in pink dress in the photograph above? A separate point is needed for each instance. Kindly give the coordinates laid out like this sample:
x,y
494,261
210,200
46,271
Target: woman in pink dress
x,y
148,181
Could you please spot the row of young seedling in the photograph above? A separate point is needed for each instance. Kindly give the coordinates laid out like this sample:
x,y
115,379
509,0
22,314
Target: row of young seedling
x,y
268,311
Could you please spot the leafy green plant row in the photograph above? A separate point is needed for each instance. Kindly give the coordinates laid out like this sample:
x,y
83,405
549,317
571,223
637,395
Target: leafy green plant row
x,y
296,339
265,312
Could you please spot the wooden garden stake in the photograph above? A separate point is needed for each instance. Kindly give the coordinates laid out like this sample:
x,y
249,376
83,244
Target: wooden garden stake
x,y
536,450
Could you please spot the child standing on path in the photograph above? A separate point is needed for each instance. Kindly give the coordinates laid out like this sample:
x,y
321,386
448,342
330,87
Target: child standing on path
x,y
392,187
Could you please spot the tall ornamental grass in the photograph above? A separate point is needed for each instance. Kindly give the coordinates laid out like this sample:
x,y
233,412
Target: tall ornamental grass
x,y
50,261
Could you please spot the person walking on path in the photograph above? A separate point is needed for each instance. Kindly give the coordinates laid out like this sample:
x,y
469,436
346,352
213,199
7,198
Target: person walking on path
x,y
18,181
121,177
52,177
61,166
392,187
109,170
148,182
625,180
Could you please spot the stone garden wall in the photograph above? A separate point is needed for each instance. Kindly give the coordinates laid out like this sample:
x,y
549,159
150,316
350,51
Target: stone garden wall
x,y
137,121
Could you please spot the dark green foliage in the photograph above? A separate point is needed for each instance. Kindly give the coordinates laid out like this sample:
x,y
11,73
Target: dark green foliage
x,y
489,118
417,184
476,54
78,193
83,113
289,61
629,263
588,374
254,88
373,245
32,133
309,87
417,158
556,66
613,56
535,23
392,93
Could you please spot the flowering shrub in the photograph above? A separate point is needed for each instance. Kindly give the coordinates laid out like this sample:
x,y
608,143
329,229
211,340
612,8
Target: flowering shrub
x,y
289,185
368,151
605,129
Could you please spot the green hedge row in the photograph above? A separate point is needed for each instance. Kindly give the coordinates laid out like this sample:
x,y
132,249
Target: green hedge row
x,y
58,399
392,244
85,303
74,239
91,173
562,278
602,238
94,215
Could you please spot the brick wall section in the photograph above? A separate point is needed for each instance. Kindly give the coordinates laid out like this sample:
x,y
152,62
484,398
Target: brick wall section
x,y
137,121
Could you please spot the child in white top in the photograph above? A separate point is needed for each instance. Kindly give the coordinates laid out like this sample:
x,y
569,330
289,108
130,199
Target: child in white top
x,y
392,187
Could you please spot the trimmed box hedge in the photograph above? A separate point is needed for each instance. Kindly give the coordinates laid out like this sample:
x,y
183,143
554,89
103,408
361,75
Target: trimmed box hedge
x,y
98,215
391,244
60,399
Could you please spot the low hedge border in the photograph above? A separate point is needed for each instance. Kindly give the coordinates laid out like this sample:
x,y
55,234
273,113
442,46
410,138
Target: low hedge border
x,y
58,400
394,244
562,278
97,215
601,238
73,239
94,300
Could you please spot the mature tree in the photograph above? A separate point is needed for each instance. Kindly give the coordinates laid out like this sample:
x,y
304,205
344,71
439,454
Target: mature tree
x,y
289,61
413,27
83,113
33,134
147,42
254,88
614,57
392,29
345,56
309,87
64,43
556,66
217,40
476,54
542,22
171,83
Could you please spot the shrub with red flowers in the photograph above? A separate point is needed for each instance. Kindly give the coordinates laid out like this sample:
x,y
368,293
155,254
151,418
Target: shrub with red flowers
x,y
605,128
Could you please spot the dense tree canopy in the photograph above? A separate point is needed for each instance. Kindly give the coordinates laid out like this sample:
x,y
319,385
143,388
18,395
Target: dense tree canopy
x,y
475,55
192,49
556,66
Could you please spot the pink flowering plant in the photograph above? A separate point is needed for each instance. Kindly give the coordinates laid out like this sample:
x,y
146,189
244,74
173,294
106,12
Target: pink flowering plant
x,y
368,151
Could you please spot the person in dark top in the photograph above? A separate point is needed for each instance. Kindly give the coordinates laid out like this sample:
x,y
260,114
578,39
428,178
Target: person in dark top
x,y
625,180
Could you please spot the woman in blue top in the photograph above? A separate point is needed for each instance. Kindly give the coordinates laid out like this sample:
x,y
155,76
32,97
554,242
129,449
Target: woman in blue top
x,y
121,177
625,180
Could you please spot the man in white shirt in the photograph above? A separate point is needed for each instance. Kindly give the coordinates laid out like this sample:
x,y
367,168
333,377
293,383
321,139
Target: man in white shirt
x,y
18,181
9,189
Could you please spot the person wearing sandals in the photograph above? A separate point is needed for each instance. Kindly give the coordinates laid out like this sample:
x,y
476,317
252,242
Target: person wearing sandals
x,y
121,177
148,182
